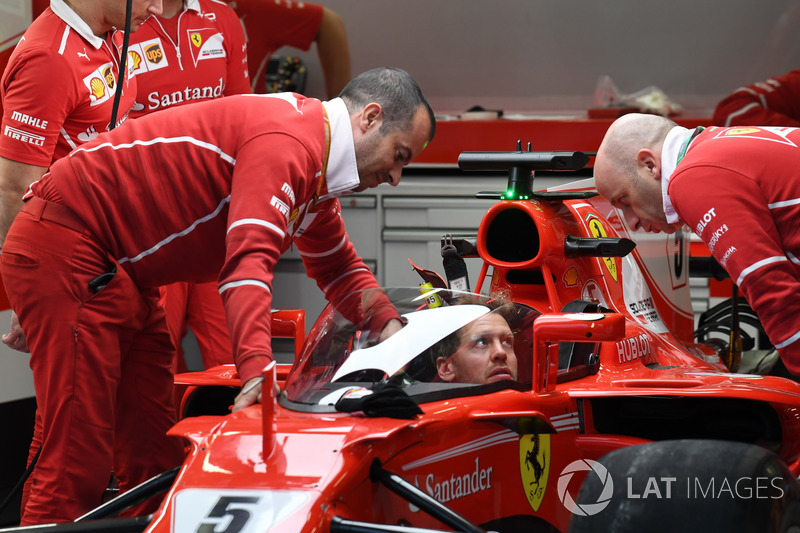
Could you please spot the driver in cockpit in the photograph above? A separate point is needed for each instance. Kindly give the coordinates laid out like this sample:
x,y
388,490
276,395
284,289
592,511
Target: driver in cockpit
x,y
480,352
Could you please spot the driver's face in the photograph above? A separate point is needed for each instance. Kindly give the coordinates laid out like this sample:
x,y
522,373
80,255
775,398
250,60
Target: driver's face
x,y
485,354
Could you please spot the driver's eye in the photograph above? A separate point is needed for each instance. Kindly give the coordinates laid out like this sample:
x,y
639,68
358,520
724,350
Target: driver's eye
x,y
483,342
480,342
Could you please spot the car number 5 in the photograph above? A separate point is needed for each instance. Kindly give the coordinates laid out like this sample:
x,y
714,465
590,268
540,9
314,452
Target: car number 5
x,y
234,508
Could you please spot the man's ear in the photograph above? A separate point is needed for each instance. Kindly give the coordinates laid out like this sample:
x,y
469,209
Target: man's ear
x,y
371,117
646,158
445,369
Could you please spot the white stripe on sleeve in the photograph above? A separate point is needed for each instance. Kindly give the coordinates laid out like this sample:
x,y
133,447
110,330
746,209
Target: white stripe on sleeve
x,y
327,252
741,111
788,341
257,222
243,283
348,273
755,266
785,203
165,140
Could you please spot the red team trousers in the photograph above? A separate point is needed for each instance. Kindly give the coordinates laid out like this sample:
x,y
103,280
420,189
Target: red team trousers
x,y
101,364
198,306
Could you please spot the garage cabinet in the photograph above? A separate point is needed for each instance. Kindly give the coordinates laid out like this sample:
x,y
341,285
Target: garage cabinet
x,y
413,228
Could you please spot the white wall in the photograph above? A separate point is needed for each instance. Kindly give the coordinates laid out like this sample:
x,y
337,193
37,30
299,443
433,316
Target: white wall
x,y
522,55
16,379
15,16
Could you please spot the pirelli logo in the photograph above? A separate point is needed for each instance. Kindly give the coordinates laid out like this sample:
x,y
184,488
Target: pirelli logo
x,y
280,205
24,136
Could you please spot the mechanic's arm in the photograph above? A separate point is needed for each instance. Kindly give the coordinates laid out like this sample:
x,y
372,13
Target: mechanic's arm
x,y
334,52
250,394
270,172
15,338
774,102
743,108
741,234
15,178
331,260
391,327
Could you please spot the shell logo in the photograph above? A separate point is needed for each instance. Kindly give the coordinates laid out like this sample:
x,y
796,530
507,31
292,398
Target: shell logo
x,y
571,277
98,88
196,39
136,59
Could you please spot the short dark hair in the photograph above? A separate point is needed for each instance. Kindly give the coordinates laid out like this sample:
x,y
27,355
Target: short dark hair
x,y
397,93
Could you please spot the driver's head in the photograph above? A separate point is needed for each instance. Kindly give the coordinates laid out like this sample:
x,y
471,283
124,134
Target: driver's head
x,y
480,352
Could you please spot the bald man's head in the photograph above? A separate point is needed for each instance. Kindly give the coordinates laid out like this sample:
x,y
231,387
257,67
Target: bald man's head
x,y
627,170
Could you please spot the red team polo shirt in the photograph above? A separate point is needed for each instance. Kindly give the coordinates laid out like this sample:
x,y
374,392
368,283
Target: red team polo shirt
x,y
58,88
197,55
739,190
272,24
773,102
248,175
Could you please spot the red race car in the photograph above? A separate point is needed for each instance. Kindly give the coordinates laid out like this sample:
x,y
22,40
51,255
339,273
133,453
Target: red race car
x,y
611,417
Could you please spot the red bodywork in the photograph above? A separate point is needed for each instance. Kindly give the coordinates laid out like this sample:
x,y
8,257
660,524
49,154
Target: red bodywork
x,y
494,458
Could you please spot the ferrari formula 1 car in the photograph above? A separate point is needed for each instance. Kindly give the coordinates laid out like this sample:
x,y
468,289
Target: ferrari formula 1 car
x,y
617,420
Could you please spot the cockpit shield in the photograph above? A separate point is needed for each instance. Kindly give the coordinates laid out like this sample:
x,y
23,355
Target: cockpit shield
x,y
342,357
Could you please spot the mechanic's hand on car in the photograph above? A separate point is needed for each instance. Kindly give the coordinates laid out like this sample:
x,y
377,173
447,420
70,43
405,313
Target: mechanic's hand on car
x,y
250,393
15,338
391,327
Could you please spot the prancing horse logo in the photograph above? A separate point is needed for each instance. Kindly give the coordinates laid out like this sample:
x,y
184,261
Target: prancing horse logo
x,y
534,467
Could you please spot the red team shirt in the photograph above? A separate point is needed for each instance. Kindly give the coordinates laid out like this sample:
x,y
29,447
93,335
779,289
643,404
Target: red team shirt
x,y
248,175
58,88
774,102
196,55
272,24
739,190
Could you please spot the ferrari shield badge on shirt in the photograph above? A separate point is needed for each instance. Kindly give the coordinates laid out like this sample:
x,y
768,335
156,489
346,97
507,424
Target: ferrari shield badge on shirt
x,y
206,44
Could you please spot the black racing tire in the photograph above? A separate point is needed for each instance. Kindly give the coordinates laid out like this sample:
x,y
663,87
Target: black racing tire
x,y
718,486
